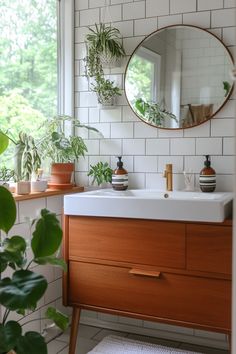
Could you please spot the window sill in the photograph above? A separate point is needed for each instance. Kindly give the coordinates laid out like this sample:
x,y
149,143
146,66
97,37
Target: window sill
x,y
47,193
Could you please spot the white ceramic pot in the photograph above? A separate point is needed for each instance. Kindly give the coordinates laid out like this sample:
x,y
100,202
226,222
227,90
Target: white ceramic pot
x,y
12,187
23,187
39,186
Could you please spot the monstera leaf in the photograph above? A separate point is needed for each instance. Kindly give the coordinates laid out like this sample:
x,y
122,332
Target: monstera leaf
x,y
9,335
15,244
58,262
47,235
31,343
23,290
58,318
13,253
7,210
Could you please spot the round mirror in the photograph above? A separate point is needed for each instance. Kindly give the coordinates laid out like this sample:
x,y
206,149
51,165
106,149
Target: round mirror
x,y
178,77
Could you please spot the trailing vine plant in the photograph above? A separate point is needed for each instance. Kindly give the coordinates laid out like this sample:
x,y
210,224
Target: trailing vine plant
x,y
104,41
103,45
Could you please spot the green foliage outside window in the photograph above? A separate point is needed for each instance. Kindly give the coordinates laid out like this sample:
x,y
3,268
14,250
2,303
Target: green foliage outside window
x,y
139,78
28,67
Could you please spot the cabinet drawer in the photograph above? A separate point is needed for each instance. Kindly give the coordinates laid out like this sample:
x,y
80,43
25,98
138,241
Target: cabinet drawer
x,y
209,248
128,240
173,297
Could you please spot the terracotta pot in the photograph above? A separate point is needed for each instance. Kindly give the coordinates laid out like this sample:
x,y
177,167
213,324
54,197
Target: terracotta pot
x,y
61,176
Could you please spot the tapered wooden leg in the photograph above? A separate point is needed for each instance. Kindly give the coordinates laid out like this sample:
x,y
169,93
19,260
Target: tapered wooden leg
x,y
74,329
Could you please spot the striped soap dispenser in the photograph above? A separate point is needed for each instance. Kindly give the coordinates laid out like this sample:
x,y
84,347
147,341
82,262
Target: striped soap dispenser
x,y
207,178
119,177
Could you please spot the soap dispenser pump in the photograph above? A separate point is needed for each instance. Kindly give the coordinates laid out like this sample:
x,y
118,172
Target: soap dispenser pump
x,y
119,177
207,178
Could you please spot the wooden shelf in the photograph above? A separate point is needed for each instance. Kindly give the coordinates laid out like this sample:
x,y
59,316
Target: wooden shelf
x,y
47,193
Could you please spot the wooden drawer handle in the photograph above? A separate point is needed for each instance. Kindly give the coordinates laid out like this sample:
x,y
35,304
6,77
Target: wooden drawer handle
x,y
145,273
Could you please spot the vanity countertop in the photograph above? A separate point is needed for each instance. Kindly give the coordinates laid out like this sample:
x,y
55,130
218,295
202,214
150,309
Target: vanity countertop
x,y
151,204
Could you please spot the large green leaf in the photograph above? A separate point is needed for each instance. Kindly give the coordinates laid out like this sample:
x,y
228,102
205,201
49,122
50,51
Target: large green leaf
x,y
15,244
47,236
61,320
12,259
4,141
3,262
31,343
9,335
14,251
53,261
7,210
23,290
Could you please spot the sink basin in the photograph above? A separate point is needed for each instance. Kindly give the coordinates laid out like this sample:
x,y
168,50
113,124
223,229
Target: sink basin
x,y
151,204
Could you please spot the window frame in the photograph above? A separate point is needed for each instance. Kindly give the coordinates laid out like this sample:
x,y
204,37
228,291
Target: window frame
x,y
65,40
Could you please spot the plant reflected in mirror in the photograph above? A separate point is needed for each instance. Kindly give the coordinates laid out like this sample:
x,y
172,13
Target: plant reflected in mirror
x,y
152,112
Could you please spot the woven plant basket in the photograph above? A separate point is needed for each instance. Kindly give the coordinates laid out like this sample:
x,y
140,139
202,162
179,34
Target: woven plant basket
x,y
106,104
109,61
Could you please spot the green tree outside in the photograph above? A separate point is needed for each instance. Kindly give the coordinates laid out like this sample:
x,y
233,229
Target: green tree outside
x,y
139,79
28,65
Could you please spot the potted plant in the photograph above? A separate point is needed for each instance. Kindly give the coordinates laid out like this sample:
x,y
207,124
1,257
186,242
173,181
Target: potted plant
x,y
62,150
106,91
104,48
6,175
101,173
38,183
27,161
22,290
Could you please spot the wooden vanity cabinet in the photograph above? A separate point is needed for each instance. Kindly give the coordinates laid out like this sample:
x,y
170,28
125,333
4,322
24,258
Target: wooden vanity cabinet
x,y
172,272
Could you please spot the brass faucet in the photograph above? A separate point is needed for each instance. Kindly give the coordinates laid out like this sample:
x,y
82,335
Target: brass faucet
x,y
168,175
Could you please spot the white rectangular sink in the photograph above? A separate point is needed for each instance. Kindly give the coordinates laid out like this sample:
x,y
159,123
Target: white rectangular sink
x,y
151,204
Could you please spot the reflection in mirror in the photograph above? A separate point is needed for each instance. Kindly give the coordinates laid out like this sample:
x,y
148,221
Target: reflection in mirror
x,y
178,77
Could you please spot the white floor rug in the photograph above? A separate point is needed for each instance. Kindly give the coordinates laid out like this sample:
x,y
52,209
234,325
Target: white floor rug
x,y
121,345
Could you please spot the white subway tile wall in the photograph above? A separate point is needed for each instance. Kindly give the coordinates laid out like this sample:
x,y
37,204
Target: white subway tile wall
x,y
200,19
123,133
229,3
156,8
138,18
210,4
145,149
181,6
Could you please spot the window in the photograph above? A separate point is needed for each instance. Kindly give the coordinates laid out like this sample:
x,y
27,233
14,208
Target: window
x,y
35,71
144,76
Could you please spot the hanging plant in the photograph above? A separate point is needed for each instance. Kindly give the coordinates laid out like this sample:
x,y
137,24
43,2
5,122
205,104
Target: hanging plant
x,y
104,48
106,91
